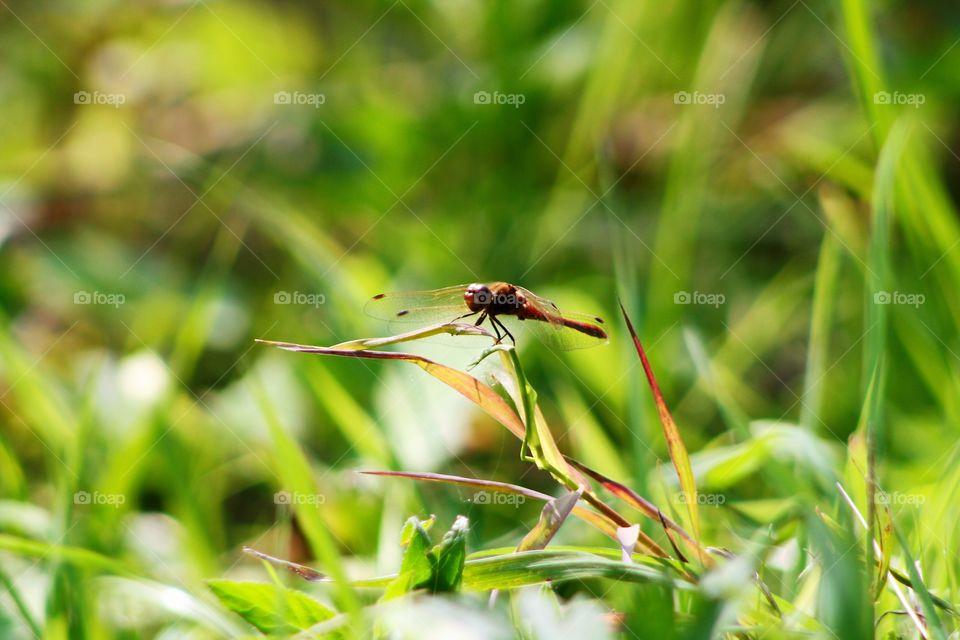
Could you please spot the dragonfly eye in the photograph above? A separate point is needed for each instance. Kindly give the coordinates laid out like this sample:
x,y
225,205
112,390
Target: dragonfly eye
x,y
477,296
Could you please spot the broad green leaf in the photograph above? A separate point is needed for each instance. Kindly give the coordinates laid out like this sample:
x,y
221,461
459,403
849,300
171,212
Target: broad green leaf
x,y
417,565
504,568
273,609
535,567
416,559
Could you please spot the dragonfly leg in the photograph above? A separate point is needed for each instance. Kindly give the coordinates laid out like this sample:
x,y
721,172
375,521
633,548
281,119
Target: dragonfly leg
x,y
466,315
493,323
496,323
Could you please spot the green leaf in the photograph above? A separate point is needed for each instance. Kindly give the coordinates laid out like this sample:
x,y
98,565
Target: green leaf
x,y
416,568
934,625
824,295
538,441
535,567
273,609
844,591
451,554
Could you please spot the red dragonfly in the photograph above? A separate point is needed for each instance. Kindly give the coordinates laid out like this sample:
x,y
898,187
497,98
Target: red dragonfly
x,y
501,303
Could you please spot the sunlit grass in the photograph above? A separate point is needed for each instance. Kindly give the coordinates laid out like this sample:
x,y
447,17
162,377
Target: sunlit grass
x,y
789,256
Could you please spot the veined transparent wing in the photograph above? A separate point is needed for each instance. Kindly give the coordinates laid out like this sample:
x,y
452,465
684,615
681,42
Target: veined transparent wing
x,y
419,307
560,329
559,336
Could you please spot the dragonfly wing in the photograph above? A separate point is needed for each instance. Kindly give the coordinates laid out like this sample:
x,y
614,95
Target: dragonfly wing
x,y
562,330
567,337
423,307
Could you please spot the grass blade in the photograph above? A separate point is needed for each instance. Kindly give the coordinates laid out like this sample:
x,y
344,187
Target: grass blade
x,y
601,521
934,624
554,514
675,446
470,387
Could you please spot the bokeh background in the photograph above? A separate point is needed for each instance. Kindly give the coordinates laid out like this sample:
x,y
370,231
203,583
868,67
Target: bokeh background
x,y
178,179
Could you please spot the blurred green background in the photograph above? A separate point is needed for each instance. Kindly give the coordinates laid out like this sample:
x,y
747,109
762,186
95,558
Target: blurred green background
x,y
180,178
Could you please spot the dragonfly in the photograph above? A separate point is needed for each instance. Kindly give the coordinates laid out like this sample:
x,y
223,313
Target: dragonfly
x,y
502,304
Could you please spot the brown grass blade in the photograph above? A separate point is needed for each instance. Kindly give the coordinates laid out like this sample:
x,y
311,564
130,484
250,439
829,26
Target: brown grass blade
x,y
554,514
675,446
305,572
637,501
465,384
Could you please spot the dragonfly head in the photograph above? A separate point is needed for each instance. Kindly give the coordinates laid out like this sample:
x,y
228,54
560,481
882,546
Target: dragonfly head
x,y
477,297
